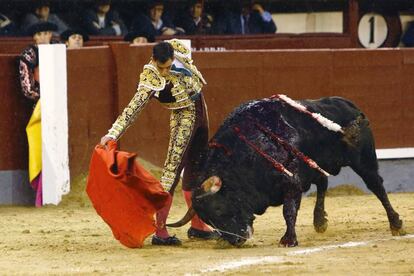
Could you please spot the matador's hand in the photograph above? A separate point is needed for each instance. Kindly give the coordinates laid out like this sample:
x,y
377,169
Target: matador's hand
x,y
105,140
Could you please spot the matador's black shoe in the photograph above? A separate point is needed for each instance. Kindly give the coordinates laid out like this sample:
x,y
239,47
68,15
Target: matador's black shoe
x,y
170,241
200,234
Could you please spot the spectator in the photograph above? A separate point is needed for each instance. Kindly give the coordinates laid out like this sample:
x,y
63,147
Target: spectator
x,y
29,80
156,22
7,27
74,39
247,19
408,36
196,21
139,38
102,20
42,14
28,63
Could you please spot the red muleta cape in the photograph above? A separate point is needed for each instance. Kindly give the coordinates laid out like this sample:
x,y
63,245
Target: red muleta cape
x,y
124,194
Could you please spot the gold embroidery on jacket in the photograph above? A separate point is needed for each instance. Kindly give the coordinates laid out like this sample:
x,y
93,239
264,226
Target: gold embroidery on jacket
x,y
183,88
151,78
177,81
181,127
179,48
182,54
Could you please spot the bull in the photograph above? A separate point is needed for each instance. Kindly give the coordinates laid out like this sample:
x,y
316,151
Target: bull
x,y
269,151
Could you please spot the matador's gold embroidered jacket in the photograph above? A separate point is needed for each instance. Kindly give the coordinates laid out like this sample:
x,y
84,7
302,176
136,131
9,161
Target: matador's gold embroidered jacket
x,y
177,92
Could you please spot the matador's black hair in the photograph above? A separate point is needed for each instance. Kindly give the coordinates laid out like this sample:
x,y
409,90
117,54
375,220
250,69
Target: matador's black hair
x,y
162,52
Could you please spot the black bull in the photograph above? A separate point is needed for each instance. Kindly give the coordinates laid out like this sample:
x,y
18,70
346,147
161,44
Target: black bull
x,y
248,163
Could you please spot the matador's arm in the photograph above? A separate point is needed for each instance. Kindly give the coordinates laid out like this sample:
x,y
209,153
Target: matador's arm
x,y
150,82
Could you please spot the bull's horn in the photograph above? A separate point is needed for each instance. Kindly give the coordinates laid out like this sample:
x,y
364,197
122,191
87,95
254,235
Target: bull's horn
x,y
187,217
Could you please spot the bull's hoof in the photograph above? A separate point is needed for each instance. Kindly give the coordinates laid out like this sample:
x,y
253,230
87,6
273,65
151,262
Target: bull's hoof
x,y
321,226
398,232
320,223
288,242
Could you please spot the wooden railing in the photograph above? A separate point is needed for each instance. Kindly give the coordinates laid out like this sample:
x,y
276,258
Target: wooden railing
x,y
102,80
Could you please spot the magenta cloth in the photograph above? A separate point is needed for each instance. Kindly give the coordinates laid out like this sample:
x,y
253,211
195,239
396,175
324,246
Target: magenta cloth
x,y
37,186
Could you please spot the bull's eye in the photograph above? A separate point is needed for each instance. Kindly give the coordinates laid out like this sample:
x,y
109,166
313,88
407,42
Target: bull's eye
x,y
220,210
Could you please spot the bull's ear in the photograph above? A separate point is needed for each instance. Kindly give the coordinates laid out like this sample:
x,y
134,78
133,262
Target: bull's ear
x,y
212,185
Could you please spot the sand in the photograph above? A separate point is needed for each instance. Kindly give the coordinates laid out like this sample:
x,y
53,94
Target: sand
x,y
72,239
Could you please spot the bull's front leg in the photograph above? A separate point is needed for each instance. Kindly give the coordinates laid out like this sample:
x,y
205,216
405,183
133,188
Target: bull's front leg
x,y
291,204
320,222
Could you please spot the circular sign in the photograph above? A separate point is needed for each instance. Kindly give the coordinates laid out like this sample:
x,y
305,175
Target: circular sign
x,y
372,30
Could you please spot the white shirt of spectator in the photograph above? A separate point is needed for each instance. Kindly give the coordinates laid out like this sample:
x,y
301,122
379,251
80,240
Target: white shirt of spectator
x,y
101,21
157,25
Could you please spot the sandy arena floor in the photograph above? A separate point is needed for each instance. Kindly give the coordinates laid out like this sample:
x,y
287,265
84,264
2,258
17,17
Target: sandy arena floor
x,y
72,239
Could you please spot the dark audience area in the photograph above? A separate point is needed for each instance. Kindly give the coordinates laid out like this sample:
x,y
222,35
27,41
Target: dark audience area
x,y
210,24
156,17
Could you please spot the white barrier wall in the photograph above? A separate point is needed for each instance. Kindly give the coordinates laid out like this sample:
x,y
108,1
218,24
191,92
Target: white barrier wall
x,y
395,153
55,157
317,22
331,22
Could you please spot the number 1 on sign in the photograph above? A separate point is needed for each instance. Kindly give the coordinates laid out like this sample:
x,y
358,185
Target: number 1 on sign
x,y
371,29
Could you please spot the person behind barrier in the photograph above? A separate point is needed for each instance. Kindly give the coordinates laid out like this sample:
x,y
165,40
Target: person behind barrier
x,y
173,79
7,26
74,39
196,21
139,37
40,14
102,20
28,61
245,18
408,36
155,21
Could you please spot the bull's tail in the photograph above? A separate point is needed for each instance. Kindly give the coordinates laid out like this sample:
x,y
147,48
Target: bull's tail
x,y
352,132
